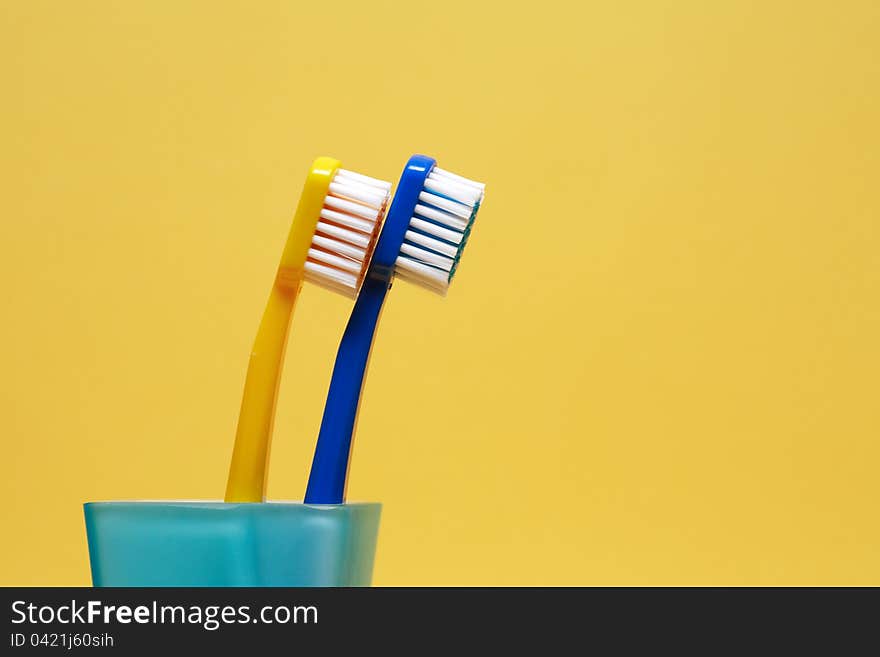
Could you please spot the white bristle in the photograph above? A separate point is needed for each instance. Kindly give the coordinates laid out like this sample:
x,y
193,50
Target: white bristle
x,y
347,220
440,173
439,229
334,275
428,257
429,242
343,234
460,209
327,258
348,250
346,231
442,217
465,194
411,267
431,228
366,195
342,174
344,205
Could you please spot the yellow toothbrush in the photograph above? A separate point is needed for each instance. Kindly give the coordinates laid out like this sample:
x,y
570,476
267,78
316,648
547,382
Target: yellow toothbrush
x,y
330,243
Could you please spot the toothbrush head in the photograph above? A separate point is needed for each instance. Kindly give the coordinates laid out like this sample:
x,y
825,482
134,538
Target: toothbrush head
x,y
428,225
336,227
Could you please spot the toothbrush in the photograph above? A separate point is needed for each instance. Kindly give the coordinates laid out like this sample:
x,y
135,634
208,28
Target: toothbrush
x,y
334,231
425,232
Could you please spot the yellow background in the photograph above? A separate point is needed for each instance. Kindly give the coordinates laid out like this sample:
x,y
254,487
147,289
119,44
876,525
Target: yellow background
x,y
657,365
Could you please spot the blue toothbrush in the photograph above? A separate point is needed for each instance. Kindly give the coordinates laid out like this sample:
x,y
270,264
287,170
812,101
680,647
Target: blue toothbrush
x,y
424,234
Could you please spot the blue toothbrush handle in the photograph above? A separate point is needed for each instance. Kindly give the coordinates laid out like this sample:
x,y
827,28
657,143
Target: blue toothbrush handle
x,y
330,464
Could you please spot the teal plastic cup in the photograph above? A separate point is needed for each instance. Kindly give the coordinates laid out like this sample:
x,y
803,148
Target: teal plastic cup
x,y
220,544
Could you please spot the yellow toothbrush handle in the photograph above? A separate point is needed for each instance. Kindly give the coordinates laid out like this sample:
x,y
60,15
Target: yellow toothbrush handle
x,y
248,472
249,469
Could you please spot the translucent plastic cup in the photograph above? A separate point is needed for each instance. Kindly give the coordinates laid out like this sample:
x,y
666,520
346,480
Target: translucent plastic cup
x,y
219,544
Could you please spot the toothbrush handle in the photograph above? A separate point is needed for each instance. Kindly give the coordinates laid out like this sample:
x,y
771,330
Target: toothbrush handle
x,y
248,471
327,480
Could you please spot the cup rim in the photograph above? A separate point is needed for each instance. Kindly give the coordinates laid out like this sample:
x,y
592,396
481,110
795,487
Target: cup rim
x,y
220,504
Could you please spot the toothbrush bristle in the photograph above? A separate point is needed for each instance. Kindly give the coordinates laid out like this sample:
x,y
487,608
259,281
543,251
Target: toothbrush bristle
x,y
347,229
439,229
